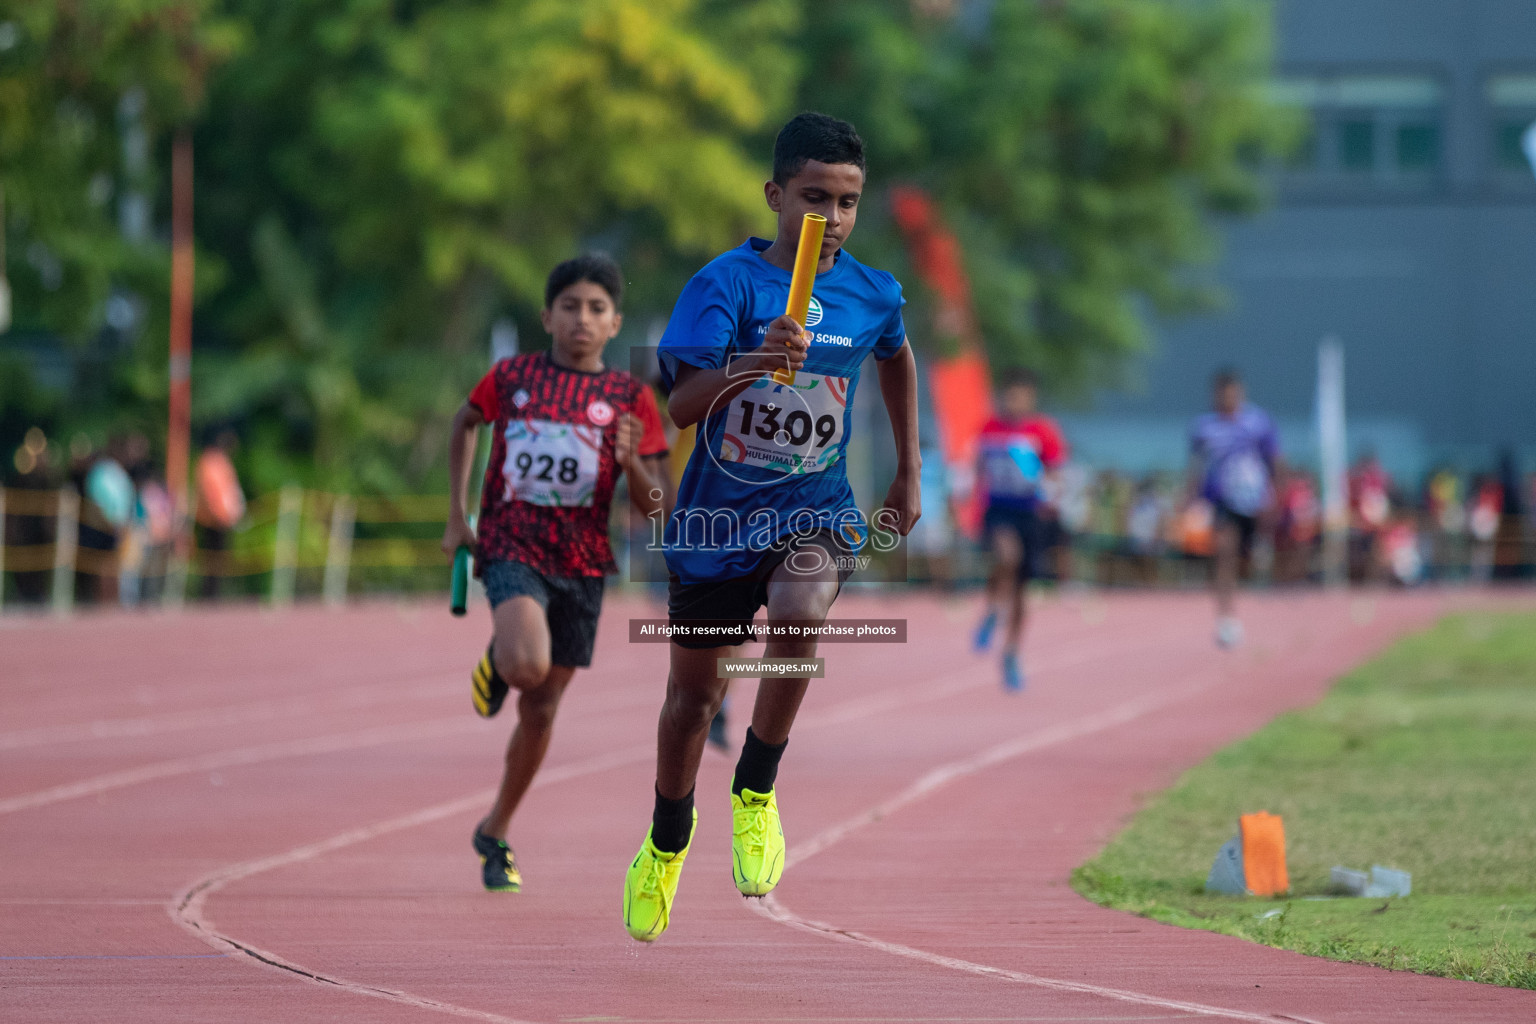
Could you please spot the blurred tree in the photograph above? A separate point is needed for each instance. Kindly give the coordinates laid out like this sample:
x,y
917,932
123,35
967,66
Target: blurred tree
x,y
377,180
384,178
1078,147
87,93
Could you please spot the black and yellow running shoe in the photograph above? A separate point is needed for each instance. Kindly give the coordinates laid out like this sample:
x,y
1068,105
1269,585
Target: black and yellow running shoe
x,y
498,864
489,690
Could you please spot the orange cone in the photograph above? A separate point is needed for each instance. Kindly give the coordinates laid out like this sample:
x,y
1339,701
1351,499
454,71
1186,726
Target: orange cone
x,y
1263,837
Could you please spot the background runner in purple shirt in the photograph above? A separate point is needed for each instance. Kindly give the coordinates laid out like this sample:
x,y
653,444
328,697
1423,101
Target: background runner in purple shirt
x,y
1233,452
1236,453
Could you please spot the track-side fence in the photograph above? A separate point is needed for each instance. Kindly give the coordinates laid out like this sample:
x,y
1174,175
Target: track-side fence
x,y
297,543
292,543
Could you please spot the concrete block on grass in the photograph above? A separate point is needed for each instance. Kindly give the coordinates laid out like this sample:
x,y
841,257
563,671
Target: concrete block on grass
x,y
1381,883
1227,871
1388,882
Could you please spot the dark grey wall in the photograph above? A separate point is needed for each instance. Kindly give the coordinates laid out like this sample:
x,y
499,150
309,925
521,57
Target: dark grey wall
x,y
1433,292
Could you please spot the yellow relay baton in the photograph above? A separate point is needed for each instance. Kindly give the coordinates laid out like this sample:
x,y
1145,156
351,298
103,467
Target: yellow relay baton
x,y
806,257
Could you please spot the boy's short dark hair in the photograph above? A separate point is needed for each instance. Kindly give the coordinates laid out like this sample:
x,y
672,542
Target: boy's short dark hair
x,y
1019,377
818,137
1225,378
593,266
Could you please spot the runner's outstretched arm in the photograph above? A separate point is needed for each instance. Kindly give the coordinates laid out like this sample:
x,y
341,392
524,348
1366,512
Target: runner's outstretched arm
x,y
898,386
461,448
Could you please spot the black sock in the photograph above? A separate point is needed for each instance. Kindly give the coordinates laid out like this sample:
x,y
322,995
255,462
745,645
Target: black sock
x,y
672,823
758,766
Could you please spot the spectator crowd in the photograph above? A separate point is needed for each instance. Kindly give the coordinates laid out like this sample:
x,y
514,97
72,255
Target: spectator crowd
x,y
1109,528
114,504
1448,526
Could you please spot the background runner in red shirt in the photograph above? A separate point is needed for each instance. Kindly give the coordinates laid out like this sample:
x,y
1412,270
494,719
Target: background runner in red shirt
x,y
1019,450
564,427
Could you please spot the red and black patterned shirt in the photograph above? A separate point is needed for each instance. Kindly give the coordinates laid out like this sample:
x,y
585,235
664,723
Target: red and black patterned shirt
x,y
551,477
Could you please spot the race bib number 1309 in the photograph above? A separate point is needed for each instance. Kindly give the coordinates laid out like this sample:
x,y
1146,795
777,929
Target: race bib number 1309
x,y
787,428
551,463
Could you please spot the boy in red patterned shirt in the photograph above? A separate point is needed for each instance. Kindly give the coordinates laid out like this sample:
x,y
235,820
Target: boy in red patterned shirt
x,y
564,427
1019,451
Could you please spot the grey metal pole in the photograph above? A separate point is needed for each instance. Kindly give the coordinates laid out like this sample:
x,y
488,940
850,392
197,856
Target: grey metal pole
x,y
66,537
285,545
338,550
2,550
1334,455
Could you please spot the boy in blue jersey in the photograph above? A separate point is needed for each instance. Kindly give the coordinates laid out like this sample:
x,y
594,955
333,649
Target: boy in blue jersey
x,y
1234,451
764,514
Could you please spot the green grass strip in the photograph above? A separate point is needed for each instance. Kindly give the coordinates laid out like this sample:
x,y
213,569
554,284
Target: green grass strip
x,y
1423,760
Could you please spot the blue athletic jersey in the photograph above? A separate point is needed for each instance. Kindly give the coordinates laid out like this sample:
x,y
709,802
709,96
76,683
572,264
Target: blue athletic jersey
x,y
770,461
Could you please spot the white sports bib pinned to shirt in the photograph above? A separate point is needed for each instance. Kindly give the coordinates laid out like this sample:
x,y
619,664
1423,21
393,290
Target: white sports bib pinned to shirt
x,y
787,428
1243,480
551,463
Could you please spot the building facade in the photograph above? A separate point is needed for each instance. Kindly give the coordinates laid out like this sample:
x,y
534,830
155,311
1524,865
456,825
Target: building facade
x,y
1405,226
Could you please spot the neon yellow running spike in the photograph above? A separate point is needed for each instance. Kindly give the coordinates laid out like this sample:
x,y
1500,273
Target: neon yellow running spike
x,y
650,885
757,845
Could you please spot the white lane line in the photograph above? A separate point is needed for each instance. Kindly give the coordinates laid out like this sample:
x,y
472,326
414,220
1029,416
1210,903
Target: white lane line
x,y
944,774
775,911
349,699
937,778
314,745
334,701
79,901
188,907
971,678
334,742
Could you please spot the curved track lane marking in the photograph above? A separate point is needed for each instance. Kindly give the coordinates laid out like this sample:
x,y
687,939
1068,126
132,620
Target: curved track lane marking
x,y
188,908
937,778
778,912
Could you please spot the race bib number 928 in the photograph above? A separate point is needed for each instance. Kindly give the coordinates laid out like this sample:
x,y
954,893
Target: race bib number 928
x,y
551,463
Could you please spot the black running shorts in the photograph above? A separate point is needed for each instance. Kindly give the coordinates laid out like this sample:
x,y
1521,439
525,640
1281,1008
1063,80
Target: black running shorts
x,y
728,606
1025,524
1247,527
571,606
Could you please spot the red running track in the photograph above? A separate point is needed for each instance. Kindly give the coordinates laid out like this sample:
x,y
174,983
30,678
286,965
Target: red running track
x,y
253,816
